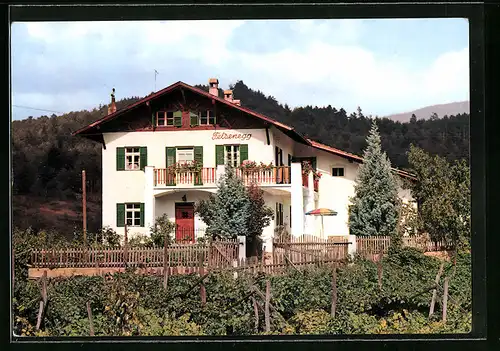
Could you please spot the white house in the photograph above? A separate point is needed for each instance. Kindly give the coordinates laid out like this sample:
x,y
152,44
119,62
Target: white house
x,y
146,145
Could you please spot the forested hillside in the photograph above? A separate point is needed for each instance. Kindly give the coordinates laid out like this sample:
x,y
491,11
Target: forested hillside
x,y
47,160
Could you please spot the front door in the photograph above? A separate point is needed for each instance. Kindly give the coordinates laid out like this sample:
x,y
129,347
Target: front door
x,y
184,222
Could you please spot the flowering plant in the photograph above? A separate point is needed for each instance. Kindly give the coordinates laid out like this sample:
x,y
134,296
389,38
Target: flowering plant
x,y
182,167
307,167
248,165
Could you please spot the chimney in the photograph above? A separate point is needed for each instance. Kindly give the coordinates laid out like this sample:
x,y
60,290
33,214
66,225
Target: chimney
x,y
228,95
112,106
213,86
237,102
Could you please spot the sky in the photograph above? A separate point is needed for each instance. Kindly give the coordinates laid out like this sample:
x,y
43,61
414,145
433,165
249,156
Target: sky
x,y
385,66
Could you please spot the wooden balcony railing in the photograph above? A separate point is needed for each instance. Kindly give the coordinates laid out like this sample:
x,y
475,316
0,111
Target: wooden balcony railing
x,y
208,176
275,175
305,182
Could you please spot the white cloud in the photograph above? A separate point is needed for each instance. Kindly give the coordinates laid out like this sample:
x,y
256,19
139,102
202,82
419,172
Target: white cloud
x,y
79,63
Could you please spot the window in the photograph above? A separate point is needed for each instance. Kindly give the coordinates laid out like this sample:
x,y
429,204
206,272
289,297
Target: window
x,y
279,214
278,156
133,214
165,118
132,158
290,216
185,155
337,172
207,117
232,155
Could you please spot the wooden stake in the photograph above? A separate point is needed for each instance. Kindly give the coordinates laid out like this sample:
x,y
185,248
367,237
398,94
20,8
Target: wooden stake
x,y
256,311
44,287
266,306
334,291
91,321
434,292
125,244
39,318
379,273
84,205
203,295
166,268
445,299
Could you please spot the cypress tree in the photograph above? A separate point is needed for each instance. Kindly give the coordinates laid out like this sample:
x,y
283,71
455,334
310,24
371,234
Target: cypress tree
x,y
228,211
374,207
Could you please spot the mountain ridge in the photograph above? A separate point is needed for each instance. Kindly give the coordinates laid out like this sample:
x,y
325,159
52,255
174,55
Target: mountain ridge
x,y
448,109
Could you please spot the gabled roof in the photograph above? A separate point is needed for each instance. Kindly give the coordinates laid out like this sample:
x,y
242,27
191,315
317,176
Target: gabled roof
x,y
283,127
356,158
290,131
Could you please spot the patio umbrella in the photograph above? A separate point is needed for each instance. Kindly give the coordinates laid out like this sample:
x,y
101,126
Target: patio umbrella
x,y
322,212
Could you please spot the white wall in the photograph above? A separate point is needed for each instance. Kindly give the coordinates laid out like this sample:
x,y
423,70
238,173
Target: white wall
x,y
282,141
166,204
128,186
334,192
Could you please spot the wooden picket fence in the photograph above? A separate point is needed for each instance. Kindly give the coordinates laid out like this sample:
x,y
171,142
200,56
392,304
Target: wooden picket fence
x,y
374,245
216,253
308,249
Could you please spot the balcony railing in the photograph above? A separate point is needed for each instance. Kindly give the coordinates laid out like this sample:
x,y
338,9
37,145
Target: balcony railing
x,y
208,176
305,182
274,175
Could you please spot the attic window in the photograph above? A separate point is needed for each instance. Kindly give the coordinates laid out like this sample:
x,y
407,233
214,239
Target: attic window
x,y
337,171
207,117
165,118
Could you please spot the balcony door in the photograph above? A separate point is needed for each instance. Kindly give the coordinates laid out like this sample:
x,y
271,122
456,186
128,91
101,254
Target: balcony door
x,y
184,222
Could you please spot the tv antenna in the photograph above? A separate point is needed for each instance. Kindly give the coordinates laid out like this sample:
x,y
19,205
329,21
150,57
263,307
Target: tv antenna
x,y
156,73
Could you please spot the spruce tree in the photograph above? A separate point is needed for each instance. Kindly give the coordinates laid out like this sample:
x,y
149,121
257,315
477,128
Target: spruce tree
x,y
226,213
374,207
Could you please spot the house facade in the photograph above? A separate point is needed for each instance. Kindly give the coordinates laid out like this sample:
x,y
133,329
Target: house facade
x,y
167,151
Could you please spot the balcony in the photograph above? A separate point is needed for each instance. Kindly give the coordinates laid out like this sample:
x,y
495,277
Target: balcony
x,y
208,177
305,182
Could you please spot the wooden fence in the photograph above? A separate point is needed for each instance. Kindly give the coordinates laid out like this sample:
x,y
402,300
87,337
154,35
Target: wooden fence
x,y
308,249
369,246
216,253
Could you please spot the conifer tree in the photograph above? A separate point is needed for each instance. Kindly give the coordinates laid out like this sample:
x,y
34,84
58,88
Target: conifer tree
x,y
226,213
374,207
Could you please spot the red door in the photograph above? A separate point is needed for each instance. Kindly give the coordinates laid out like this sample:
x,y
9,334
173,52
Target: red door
x,y
184,222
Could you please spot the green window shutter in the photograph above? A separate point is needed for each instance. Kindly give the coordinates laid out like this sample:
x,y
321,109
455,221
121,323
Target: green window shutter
x,y
143,157
142,214
170,160
219,155
193,119
120,158
313,163
198,154
198,158
120,215
170,152
178,118
243,152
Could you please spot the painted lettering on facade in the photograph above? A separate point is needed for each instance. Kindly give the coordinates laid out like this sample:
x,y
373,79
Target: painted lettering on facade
x,y
231,136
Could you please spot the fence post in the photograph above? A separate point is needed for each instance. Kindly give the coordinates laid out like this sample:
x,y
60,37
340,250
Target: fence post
x,y
334,290
235,266
352,248
445,299
242,248
91,322
166,268
266,306
256,311
434,292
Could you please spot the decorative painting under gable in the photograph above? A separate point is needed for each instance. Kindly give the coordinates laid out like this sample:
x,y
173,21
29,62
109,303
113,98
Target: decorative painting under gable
x,y
143,118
